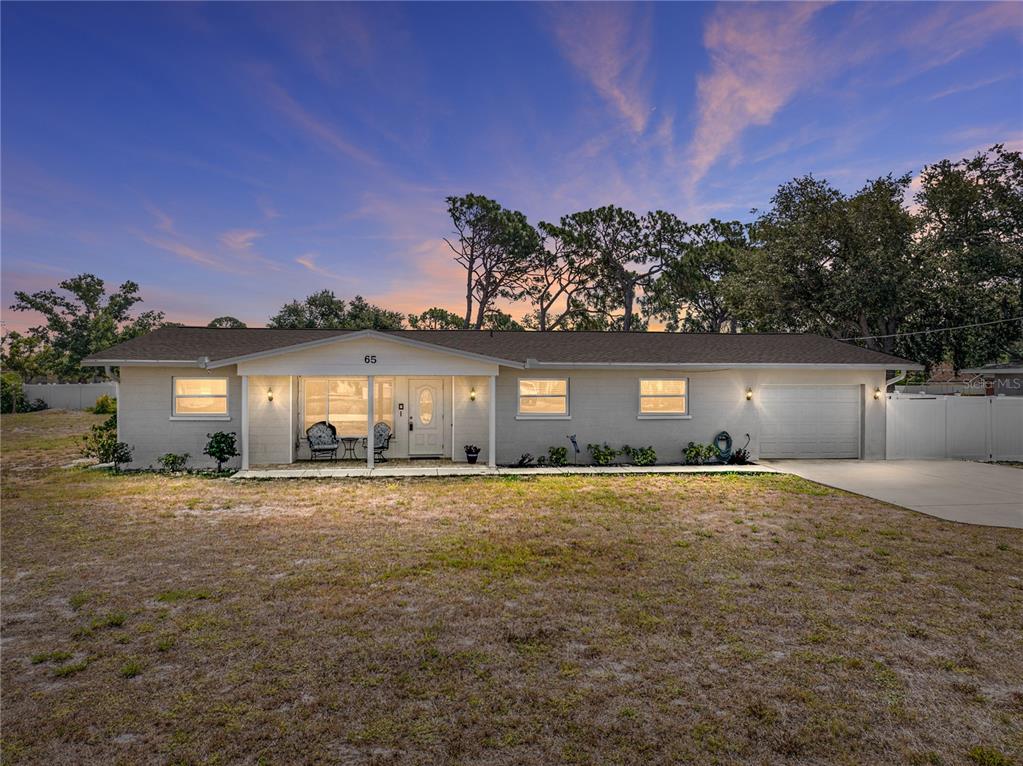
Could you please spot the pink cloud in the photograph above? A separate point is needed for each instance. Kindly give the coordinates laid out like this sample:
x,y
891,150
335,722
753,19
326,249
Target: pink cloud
x,y
609,44
760,56
187,252
308,261
163,221
239,239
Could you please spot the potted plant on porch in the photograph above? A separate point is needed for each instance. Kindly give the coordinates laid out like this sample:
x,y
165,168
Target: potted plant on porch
x,y
472,452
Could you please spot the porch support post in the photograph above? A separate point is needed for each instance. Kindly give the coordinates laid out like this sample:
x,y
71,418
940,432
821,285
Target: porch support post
x,y
369,421
492,433
245,422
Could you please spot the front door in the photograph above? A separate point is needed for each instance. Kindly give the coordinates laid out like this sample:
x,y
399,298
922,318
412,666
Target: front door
x,y
426,417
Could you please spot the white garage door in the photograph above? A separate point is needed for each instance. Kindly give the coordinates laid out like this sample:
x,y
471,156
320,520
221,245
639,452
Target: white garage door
x,y
810,421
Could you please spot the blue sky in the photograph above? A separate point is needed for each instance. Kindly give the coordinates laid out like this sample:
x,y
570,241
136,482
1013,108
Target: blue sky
x,y
230,157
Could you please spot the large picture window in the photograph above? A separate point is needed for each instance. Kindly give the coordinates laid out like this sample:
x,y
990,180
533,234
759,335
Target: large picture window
x,y
664,398
344,403
543,398
200,397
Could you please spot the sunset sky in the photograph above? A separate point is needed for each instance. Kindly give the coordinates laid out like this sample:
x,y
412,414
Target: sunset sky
x,y
231,157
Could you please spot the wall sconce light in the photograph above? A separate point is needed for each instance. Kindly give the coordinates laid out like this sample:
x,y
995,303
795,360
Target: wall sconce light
x,y
877,393
749,394
270,393
472,394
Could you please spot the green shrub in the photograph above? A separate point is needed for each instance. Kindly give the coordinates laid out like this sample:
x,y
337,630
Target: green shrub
x,y
557,456
105,405
12,395
698,454
222,446
640,455
602,454
36,405
173,462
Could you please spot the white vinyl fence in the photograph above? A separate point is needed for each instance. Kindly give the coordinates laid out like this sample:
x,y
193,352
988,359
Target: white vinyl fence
x,y
966,427
69,396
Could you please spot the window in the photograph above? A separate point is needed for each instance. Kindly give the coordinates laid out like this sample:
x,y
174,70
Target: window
x,y
664,398
344,403
543,398
200,397
425,407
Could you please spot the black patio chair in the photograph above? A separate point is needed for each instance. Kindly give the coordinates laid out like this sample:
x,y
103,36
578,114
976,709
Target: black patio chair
x,y
382,436
323,440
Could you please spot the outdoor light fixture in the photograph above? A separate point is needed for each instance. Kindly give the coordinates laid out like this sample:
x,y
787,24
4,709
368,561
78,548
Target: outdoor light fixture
x,y
472,394
270,393
749,394
877,393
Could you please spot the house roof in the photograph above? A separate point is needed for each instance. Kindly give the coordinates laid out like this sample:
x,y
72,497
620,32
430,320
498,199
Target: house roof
x,y
189,345
1012,367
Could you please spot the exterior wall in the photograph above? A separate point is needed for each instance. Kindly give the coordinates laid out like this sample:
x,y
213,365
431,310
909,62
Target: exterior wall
x,y
470,419
144,415
270,434
604,406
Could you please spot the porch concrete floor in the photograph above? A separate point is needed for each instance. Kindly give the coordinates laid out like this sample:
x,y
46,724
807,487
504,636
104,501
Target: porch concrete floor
x,y
406,468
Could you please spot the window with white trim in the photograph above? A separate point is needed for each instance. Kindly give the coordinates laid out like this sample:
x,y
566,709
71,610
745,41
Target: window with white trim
x,y
543,397
664,398
200,397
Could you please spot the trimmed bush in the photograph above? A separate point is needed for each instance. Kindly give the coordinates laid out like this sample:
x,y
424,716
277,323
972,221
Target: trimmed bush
x,y
173,462
640,455
602,454
105,405
698,454
222,446
557,456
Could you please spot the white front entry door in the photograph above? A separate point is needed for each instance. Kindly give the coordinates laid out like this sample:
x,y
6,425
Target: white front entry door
x,y
810,421
426,416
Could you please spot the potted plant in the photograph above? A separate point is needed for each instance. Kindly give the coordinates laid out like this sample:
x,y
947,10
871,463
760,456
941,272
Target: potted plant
x,y
472,452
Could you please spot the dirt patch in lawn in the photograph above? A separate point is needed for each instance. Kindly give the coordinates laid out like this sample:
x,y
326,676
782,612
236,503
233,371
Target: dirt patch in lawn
x,y
559,619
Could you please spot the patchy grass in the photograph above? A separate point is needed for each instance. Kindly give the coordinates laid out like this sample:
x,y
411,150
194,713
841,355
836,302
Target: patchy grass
x,y
548,619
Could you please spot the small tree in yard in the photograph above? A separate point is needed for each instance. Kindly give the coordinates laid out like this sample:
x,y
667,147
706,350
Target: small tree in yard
x,y
222,446
101,443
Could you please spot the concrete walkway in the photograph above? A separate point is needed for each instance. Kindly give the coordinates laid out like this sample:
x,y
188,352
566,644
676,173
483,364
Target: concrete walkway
x,y
956,490
404,471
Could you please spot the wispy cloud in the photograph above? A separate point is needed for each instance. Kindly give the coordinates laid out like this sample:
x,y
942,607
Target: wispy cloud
x,y
763,56
308,261
760,57
239,239
266,207
315,127
609,44
967,87
163,221
187,252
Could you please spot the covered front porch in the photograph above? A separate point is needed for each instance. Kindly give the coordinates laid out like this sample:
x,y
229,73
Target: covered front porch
x,y
411,403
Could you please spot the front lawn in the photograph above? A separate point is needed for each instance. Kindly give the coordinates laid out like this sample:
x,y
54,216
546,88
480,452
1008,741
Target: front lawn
x,y
558,619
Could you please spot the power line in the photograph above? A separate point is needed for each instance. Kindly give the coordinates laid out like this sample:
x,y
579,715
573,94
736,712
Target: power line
x,y
940,329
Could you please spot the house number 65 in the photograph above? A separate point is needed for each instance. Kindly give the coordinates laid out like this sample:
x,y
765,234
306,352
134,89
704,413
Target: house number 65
x,y
371,359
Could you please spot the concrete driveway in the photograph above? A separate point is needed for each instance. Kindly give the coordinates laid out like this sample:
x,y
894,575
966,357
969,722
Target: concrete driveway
x,y
957,490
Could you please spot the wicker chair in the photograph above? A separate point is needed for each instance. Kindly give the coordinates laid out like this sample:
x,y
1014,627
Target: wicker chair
x,y
323,440
381,440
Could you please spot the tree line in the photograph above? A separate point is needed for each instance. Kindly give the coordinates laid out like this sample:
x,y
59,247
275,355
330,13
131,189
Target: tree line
x,y
865,266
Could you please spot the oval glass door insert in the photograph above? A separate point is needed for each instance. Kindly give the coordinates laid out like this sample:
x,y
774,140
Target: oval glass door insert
x,y
425,406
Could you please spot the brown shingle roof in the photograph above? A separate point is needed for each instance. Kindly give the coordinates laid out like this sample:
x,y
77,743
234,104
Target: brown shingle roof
x,y
189,344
